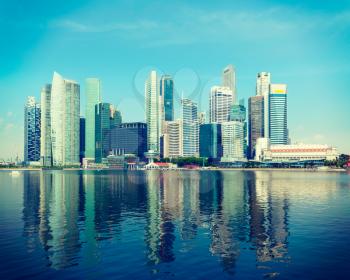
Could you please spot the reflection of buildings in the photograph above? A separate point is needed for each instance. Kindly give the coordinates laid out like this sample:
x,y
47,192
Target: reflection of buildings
x,y
269,217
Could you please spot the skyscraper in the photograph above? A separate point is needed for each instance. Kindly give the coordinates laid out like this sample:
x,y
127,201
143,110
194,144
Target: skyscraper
x,y
153,116
189,112
167,97
210,143
116,117
229,80
31,130
45,137
103,122
65,121
93,97
263,82
220,102
278,114
239,113
232,141
256,121
82,139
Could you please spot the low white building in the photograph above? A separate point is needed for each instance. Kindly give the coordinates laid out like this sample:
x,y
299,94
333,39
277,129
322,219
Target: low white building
x,y
295,152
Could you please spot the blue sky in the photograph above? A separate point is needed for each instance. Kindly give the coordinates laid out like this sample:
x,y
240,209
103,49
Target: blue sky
x,y
305,44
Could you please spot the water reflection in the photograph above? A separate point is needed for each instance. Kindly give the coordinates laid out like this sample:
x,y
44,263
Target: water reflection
x,y
71,215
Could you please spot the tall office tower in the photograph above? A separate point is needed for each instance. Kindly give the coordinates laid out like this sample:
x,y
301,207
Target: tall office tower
x,y
256,121
116,116
173,139
129,138
45,137
102,131
232,141
65,121
189,112
167,97
229,80
210,144
82,139
220,102
239,113
263,82
93,97
153,118
201,118
278,114
31,130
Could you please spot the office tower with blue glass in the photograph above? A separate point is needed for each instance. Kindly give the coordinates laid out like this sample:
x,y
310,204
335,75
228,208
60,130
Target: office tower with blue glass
x,y
167,97
32,116
129,138
278,129
239,113
210,143
93,97
189,112
102,131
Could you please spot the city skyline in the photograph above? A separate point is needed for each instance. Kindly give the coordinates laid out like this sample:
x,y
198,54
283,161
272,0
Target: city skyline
x,y
314,70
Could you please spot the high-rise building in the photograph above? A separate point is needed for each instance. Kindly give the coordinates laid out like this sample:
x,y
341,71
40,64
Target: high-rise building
x,y
210,143
153,116
229,80
167,97
129,138
278,132
256,121
45,137
31,130
263,82
93,97
239,113
65,121
102,131
173,139
82,139
220,102
189,112
201,118
232,141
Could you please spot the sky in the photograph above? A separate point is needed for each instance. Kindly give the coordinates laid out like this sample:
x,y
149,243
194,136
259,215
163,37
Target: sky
x,y
305,44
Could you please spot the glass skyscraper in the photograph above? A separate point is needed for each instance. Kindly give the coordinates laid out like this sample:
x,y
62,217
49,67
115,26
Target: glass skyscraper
x,y
45,139
167,96
239,113
65,121
93,97
229,80
103,122
32,117
256,121
278,114
210,144
190,128
82,139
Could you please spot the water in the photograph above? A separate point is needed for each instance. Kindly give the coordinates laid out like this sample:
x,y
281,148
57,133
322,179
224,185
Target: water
x,y
174,225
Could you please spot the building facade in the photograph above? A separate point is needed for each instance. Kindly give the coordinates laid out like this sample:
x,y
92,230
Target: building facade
x,y
210,141
278,130
93,97
220,102
82,139
32,117
129,138
232,141
263,82
167,97
45,137
153,116
102,131
239,113
65,121
173,139
190,128
256,122
229,80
